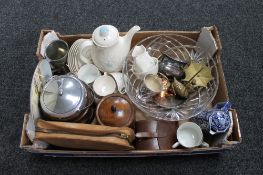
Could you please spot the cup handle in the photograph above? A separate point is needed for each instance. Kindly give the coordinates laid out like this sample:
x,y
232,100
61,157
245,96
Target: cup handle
x,y
162,75
175,145
143,92
204,144
212,132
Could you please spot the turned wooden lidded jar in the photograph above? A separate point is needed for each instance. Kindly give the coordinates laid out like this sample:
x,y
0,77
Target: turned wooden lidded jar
x,y
115,110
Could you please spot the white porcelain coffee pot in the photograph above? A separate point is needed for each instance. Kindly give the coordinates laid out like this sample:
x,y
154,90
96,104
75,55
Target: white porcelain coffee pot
x,y
109,50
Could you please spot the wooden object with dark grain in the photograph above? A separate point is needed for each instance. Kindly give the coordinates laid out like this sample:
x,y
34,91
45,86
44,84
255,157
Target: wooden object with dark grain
x,y
115,110
84,136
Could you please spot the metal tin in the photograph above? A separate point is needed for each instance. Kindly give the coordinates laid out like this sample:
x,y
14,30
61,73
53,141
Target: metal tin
x,y
64,97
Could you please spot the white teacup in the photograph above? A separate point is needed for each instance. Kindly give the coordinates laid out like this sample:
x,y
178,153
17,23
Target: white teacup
x,y
104,85
150,86
190,135
88,73
120,79
153,83
85,49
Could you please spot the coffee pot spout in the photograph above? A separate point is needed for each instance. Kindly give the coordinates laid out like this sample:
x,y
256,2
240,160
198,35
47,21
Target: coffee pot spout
x,y
130,33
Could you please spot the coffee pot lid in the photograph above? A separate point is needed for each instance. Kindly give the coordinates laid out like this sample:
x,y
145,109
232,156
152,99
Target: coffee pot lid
x,y
115,110
62,96
105,36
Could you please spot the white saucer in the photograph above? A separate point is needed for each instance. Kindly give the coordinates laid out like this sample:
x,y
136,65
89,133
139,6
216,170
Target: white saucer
x,y
72,64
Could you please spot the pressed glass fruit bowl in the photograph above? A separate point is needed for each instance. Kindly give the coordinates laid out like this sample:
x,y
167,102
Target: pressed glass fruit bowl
x,y
179,48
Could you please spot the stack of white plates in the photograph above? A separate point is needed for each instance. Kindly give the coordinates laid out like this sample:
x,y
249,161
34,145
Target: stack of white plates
x,y
73,61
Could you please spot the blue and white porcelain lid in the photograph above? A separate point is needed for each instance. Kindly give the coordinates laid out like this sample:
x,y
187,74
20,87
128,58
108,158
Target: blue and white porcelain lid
x,y
220,121
105,36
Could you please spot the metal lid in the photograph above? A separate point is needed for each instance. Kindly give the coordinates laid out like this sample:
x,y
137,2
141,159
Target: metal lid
x,y
62,96
105,35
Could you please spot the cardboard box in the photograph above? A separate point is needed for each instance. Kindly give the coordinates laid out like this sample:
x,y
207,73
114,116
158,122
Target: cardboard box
x,y
222,95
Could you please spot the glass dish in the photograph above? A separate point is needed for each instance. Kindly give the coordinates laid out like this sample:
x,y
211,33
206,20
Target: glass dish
x,y
179,48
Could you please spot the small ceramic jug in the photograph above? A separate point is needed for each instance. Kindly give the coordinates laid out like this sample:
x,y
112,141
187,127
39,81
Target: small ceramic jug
x,y
143,62
216,120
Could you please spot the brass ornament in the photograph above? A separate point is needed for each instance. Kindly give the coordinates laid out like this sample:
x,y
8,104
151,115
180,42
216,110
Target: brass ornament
x,y
198,74
179,88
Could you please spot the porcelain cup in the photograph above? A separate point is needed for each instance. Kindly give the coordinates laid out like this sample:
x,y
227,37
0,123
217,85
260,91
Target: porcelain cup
x,y
151,85
103,86
88,73
189,135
